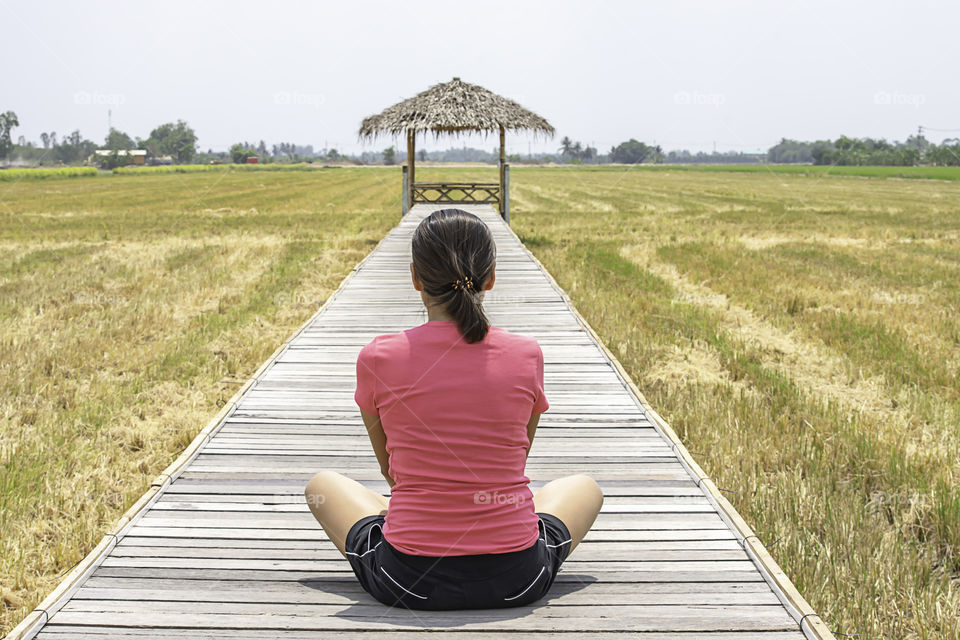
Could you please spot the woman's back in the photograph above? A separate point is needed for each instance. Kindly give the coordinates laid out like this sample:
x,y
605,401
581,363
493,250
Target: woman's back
x,y
455,415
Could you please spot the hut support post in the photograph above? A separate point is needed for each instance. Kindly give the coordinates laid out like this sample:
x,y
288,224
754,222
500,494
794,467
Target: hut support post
x,y
411,153
503,162
406,192
506,193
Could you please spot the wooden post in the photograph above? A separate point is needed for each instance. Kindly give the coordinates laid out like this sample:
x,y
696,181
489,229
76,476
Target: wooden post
x,y
503,162
406,192
506,193
411,153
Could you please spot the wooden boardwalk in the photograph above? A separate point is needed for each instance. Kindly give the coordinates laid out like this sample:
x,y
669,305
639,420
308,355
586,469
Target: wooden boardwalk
x,y
224,546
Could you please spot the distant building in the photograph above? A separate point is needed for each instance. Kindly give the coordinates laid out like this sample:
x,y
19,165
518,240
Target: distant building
x,y
132,156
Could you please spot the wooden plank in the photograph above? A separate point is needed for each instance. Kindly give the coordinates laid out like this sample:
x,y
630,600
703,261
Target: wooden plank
x,y
566,594
250,533
587,549
94,632
371,617
678,576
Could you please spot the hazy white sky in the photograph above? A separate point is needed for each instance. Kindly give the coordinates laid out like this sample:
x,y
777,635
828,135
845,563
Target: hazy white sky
x,y
730,75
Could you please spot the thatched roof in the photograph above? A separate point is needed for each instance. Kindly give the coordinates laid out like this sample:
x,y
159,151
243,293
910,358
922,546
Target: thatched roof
x,y
454,107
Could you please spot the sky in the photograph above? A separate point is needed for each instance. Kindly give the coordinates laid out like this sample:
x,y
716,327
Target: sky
x,y
724,75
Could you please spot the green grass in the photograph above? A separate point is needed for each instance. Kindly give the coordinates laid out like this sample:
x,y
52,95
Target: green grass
x,y
14,175
196,168
919,173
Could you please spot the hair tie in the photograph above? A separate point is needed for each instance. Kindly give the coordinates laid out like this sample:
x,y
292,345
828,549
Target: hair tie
x,y
464,283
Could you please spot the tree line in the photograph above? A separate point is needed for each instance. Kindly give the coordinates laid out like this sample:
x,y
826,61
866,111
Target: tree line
x,y
867,152
176,142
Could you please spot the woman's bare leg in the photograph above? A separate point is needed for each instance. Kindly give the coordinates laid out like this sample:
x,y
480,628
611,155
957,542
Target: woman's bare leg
x,y
337,502
575,499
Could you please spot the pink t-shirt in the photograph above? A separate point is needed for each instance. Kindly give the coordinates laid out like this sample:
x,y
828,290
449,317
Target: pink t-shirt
x,y
455,415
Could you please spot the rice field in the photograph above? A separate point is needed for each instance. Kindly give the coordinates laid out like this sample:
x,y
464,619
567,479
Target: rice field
x,y
16,175
798,330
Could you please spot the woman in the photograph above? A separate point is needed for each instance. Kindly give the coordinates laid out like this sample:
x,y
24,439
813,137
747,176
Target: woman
x,y
451,407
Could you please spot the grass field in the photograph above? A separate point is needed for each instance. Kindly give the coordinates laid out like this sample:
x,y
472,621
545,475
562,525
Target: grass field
x,y
800,332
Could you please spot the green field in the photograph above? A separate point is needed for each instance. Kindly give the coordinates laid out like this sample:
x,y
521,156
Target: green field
x,y
798,328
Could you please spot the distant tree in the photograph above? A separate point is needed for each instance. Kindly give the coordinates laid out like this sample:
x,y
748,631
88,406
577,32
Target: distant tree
x,y
8,121
389,155
630,152
176,139
112,161
240,152
945,154
920,143
45,139
790,151
74,148
566,146
422,155
117,140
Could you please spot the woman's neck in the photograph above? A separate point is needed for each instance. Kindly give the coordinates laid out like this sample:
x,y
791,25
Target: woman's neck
x,y
436,314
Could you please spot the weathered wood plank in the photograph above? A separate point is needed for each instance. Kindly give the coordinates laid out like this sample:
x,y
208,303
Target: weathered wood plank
x,y
589,547
94,632
243,533
333,617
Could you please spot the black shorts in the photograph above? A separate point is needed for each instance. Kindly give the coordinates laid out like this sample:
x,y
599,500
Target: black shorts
x,y
484,581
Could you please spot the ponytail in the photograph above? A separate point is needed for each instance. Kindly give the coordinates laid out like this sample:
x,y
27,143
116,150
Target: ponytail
x,y
452,245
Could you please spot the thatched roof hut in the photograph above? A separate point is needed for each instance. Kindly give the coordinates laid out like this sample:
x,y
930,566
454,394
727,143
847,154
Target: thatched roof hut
x,y
454,107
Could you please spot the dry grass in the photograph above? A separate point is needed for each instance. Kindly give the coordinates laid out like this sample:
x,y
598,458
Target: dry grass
x,y
799,332
125,316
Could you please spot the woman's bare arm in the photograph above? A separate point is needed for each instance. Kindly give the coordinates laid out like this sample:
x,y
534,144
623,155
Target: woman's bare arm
x,y
532,429
379,441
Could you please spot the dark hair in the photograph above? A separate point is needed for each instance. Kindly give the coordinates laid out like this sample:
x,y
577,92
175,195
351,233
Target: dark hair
x,y
450,245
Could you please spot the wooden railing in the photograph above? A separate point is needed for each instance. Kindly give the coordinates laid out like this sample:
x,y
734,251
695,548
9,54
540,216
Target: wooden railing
x,y
473,192
463,192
